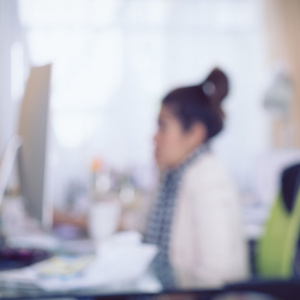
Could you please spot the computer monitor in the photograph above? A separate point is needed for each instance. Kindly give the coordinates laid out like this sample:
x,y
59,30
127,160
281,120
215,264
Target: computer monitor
x,y
32,155
7,164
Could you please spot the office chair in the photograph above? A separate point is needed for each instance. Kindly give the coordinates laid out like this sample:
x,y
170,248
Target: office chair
x,y
277,248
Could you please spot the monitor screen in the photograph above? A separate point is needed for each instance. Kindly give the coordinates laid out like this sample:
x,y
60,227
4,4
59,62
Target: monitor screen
x,y
32,155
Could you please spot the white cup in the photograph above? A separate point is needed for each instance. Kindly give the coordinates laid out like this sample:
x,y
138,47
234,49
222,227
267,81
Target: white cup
x,y
104,218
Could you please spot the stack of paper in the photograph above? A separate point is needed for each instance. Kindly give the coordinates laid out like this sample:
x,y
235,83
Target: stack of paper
x,y
121,259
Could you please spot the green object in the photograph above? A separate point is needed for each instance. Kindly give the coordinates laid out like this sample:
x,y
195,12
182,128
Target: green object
x,y
277,248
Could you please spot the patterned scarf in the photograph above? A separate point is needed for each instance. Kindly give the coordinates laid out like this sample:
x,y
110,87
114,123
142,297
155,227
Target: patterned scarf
x,y
158,230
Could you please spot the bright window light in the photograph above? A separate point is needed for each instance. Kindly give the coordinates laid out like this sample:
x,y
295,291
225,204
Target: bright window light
x,y
17,71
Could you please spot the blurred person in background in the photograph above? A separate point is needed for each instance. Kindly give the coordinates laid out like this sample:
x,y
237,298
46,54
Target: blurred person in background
x,y
196,220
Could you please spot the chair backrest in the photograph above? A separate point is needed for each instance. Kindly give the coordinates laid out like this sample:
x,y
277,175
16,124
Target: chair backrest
x,y
277,248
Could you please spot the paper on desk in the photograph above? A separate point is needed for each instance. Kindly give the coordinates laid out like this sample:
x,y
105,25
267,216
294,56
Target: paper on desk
x,y
123,258
22,275
38,240
62,266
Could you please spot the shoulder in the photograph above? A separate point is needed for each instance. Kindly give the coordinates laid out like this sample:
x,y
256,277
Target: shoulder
x,y
208,171
207,165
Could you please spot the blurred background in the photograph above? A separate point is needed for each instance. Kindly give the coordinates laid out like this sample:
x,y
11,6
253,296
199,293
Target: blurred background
x,y
114,60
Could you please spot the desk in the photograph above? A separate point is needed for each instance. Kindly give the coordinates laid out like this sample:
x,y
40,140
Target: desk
x,y
284,290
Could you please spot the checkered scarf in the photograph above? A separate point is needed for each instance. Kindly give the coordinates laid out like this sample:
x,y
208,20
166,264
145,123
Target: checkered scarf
x,y
160,222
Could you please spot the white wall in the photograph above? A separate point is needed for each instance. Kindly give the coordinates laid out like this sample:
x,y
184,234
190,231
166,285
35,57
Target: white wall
x,y
11,37
114,60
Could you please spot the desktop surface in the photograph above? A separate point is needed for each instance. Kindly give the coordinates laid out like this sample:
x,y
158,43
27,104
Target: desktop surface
x,y
148,284
279,289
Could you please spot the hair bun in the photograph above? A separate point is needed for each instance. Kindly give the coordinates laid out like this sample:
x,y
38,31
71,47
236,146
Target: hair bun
x,y
216,86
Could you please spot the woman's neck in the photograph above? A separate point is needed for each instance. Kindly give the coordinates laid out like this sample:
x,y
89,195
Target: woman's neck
x,y
195,152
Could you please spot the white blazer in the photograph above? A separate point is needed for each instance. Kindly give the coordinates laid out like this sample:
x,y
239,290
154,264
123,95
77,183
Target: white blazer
x,y
207,245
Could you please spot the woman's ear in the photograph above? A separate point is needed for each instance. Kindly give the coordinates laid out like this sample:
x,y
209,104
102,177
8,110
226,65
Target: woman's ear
x,y
198,134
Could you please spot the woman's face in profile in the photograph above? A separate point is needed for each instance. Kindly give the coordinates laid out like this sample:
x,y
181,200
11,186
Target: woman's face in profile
x,y
172,143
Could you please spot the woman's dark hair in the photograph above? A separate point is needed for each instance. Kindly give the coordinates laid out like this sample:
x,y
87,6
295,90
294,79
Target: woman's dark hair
x,y
200,103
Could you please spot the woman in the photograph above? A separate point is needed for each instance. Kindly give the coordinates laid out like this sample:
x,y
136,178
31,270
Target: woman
x,y
196,219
